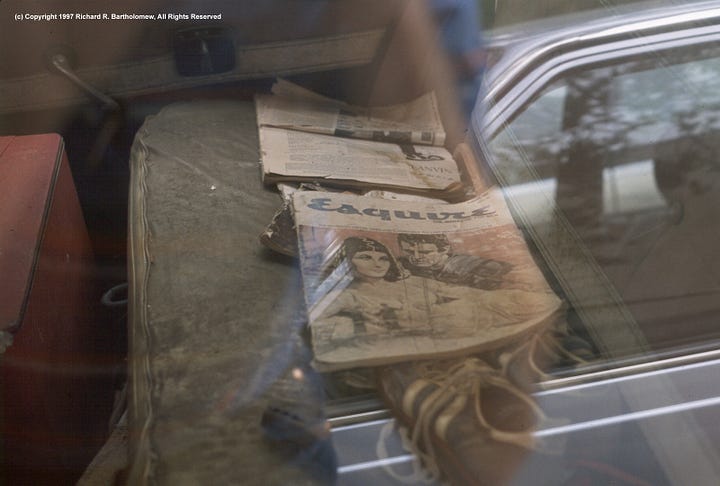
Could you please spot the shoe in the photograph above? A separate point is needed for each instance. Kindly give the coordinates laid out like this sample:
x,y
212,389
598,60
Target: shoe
x,y
466,422
529,364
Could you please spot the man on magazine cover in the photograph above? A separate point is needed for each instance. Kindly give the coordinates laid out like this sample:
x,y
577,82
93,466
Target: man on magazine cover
x,y
431,256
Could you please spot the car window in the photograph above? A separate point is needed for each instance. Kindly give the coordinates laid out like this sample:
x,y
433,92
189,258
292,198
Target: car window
x,y
626,156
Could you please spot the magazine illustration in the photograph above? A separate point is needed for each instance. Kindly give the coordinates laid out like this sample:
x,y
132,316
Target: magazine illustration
x,y
388,280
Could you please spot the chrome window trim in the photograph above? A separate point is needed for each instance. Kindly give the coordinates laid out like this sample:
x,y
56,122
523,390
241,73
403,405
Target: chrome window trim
x,y
530,53
629,370
496,112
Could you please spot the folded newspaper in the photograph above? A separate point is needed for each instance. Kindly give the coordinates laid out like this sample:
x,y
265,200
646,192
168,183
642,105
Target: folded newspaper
x,y
390,280
294,107
306,137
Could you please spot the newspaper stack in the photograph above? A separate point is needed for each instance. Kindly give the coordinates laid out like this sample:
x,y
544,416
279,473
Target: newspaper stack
x,y
391,270
307,137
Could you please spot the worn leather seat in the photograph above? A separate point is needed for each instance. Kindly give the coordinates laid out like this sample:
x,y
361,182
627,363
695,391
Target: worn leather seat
x,y
215,318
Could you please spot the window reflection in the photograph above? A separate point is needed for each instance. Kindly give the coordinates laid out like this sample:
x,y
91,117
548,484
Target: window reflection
x,y
627,154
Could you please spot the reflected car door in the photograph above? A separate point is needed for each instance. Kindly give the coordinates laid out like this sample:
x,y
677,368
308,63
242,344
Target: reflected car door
x,y
608,160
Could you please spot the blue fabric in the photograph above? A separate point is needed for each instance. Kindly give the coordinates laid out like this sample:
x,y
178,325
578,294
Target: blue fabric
x,y
459,24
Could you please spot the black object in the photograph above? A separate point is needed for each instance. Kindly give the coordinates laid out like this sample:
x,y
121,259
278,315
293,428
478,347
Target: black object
x,y
305,443
116,296
204,50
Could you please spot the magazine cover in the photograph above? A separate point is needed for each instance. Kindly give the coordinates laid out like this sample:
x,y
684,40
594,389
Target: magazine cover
x,y
391,280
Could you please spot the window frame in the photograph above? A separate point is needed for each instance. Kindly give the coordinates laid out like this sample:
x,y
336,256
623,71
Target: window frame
x,y
529,70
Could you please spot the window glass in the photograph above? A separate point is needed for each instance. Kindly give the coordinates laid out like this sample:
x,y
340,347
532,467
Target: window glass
x,y
624,157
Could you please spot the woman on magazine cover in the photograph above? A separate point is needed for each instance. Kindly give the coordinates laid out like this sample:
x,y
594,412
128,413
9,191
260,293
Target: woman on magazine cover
x,y
380,301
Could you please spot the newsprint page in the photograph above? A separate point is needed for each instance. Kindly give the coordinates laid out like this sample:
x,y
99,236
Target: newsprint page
x,y
297,155
388,280
307,137
294,107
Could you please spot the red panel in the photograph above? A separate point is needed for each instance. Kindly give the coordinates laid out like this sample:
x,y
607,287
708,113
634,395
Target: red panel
x,y
27,170
55,393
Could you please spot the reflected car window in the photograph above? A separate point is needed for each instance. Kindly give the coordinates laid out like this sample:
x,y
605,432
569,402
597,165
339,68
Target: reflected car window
x,y
627,155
